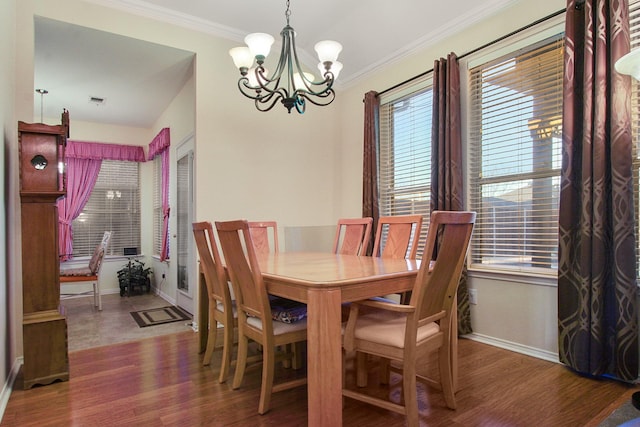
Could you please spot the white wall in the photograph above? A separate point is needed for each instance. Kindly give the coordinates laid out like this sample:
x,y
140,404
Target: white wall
x,y
514,312
10,320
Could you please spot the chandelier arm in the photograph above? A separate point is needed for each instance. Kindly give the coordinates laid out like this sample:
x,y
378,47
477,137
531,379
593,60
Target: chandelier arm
x,y
264,105
320,100
256,93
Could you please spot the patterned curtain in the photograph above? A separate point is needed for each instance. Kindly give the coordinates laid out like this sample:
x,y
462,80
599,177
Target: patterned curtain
x,y
446,155
597,308
370,163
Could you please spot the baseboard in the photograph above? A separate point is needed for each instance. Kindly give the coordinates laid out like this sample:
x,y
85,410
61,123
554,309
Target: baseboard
x,y
518,348
166,297
8,385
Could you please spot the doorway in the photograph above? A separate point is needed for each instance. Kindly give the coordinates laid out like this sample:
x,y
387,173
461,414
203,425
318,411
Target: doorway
x,y
186,263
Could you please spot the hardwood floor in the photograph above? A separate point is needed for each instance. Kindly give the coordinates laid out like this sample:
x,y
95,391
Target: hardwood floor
x,y
160,381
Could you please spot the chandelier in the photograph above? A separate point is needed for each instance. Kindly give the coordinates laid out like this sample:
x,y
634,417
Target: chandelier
x,y
288,84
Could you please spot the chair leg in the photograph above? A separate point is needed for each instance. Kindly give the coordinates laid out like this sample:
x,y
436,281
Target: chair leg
x,y
446,375
211,340
226,353
241,361
384,370
268,365
296,361
361,369
410,393
97,294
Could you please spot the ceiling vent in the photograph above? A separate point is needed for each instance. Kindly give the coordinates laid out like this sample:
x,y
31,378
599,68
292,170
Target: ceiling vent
x,y
97,100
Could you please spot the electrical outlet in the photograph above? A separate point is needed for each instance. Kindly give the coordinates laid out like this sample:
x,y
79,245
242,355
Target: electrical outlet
x,y
473,296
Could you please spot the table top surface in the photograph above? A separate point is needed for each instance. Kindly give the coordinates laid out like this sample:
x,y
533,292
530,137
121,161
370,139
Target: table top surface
x,y
317,269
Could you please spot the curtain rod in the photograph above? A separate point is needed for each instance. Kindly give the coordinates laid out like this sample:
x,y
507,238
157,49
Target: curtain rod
x,y
499,39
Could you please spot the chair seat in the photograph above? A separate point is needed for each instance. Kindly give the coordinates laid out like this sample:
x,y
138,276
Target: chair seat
x,y
279,328
82,271
220,307
387,328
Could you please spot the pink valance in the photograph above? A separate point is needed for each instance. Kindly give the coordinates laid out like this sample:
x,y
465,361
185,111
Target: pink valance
x,y
102,151
160,143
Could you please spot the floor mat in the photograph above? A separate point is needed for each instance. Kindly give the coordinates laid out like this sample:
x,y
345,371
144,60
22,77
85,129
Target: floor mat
x,y
159,316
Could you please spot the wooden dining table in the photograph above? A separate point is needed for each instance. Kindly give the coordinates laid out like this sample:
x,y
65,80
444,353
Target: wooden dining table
x,y
324,281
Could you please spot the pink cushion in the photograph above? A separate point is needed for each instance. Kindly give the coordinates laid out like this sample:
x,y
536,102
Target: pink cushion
x,y
94,264
387,328
84,271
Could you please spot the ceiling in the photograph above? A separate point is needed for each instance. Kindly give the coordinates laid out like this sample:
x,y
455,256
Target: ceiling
x,y
138,79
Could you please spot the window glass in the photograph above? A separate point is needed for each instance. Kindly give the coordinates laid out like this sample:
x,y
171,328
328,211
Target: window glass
x,y
114,205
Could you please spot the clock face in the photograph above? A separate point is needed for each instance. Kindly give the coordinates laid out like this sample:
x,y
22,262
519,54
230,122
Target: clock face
x,y
39,162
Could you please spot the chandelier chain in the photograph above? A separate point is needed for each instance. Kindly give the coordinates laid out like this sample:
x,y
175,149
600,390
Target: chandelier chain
x,y
287,13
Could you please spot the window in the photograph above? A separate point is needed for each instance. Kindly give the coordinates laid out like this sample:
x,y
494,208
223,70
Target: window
x,y
514,156
114,206
404,157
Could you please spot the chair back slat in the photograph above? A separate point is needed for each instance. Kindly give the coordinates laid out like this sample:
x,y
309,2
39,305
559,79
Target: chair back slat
x,y
210,263
352,236
446,247
260,231
244,272
402,236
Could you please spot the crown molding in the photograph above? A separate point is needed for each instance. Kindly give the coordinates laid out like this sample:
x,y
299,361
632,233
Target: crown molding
x,y
158,13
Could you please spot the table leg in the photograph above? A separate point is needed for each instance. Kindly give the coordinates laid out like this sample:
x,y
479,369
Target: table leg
x,y
324,358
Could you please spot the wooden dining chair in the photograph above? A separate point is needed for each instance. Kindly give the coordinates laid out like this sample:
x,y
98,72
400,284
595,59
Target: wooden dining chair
x,y
221,308
352,236
90,273
397,236
407,333
401,237
265,236
255,317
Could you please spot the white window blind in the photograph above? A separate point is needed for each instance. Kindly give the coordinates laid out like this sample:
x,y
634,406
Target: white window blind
x,y
157,205
404,156
514,157
114,205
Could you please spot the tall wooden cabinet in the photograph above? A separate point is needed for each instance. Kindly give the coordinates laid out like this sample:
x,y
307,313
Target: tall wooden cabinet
x,y
42,183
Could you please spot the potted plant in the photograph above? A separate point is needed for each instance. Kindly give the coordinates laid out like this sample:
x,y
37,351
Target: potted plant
x,y
134,277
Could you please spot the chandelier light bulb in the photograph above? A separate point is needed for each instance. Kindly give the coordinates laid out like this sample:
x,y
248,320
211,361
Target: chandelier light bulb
x,y
298,82
328,50
242,57
259,44
629,64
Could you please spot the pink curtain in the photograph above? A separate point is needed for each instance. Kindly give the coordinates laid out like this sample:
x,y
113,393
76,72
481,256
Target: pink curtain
x,y
82,175
101,151
160,146
83,161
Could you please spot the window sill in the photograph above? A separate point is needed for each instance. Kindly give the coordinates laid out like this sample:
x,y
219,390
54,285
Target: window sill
x,y
528,278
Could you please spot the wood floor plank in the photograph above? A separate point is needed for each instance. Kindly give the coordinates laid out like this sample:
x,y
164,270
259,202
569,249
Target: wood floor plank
x,y
160,381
